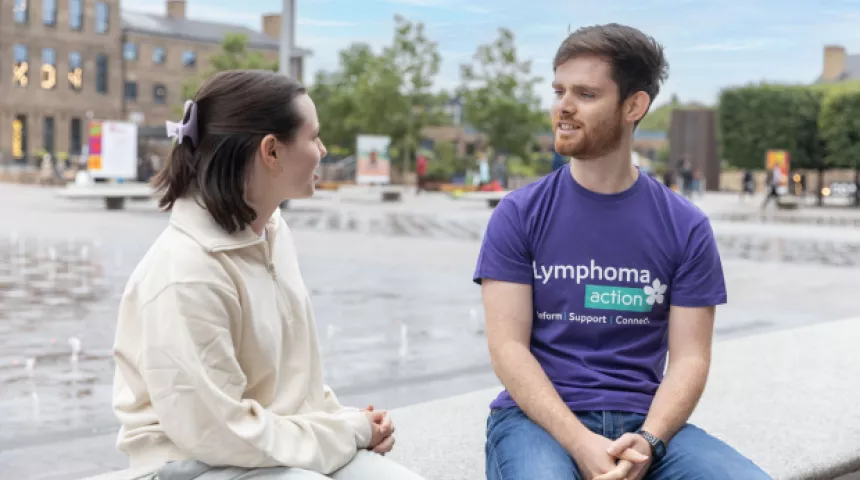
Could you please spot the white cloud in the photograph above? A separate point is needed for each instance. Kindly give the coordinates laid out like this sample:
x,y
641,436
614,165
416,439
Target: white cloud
x,y
326,49
477,9
447,4
736,45
423,3
312,22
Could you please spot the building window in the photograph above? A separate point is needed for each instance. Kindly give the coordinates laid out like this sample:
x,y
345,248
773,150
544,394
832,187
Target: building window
x,y
102,17
102,73
21,68
76,14
189,58
49,12
159,55
19,138
49,68
131,91
76,71
21,11
75,137
48,135
159,94
129,51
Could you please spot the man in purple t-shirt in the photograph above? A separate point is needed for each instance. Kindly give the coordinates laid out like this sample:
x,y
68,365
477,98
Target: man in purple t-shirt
x,y
589,277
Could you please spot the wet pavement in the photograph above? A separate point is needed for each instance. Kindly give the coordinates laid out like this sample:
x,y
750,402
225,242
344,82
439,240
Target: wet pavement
x,y
399,320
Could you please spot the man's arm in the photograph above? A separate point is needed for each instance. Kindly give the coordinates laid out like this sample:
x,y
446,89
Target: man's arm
x,y
508,308
690,337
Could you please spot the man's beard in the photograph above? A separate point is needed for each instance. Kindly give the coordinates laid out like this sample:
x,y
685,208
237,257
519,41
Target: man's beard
x,y
593,142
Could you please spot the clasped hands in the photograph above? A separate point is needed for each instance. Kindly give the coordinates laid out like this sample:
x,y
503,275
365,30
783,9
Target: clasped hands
x,y
599,458
382,438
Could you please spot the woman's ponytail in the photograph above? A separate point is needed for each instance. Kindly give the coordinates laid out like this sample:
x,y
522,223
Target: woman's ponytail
x,y
177,175
180,172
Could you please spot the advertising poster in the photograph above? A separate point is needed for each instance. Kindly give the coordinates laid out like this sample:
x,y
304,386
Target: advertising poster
x,y
778,158
372,165
112,148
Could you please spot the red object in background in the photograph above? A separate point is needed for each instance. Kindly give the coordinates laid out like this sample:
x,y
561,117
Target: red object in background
x,y
493,186
421,166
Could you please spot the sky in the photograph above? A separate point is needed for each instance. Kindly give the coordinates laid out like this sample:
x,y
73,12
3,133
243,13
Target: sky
x,y
709,44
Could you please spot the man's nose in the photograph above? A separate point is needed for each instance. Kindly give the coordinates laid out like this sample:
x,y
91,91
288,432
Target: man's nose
x,y
566,105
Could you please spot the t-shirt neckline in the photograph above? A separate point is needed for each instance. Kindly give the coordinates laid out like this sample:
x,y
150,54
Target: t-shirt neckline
x,y
604,197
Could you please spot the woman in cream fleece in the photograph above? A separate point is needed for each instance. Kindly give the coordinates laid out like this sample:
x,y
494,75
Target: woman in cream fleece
x,y
218,373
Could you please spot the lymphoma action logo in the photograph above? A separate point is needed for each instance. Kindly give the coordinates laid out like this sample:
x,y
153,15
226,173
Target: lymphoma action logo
x,y
607,297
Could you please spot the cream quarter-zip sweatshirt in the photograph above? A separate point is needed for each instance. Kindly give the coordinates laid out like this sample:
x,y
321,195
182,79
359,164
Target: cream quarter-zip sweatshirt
x,y
217,357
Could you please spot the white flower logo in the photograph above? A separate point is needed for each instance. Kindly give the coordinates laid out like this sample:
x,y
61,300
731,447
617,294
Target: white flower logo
x,y
655,292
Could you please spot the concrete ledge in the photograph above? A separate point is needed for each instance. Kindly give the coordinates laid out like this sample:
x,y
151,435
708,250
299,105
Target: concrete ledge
x,y
786,399
123,475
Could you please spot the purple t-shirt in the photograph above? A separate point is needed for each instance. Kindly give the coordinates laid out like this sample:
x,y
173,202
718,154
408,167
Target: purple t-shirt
x,y
604,270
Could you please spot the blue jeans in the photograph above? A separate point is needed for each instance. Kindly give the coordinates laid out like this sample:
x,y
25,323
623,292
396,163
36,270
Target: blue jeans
x,y
519,449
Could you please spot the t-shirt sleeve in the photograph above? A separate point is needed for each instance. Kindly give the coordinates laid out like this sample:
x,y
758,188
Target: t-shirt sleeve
x,y
505,253
699,280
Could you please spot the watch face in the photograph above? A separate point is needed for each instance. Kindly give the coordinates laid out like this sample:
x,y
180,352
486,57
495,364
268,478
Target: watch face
x,y
659,449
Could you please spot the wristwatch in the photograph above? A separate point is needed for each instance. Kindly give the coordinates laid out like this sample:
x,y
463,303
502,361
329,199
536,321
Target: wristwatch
x,y
658,448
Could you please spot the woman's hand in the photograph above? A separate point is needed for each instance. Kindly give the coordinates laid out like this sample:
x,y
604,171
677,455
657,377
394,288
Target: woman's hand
x,y
382,439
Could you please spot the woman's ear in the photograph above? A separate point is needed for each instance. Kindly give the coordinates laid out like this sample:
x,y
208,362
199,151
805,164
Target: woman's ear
x,y
269,151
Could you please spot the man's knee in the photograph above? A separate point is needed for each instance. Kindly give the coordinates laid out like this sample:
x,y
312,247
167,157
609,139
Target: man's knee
x,y
518,449
695,454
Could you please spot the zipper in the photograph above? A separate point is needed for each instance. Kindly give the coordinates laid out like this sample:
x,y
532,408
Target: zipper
x,y
270,266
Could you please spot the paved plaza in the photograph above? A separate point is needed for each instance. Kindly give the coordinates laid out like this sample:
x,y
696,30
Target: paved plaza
x,y
400,321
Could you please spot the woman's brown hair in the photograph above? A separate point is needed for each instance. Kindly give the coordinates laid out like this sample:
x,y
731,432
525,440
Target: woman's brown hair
x,y
235,110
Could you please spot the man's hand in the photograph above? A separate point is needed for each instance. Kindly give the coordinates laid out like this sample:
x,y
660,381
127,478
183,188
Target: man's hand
x,y
382,438
629,442
594,460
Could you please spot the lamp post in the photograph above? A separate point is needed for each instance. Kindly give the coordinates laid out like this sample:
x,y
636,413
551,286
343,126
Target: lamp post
x,y
288,35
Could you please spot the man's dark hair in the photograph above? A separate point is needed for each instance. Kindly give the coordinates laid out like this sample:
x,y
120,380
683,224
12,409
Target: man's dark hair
x,y
637,60
235,110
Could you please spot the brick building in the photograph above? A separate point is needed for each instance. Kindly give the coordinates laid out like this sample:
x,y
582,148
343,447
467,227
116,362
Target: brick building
x,y
839,66
64,61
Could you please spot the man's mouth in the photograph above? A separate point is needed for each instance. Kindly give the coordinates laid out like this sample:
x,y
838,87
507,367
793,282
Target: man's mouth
x,y
567,127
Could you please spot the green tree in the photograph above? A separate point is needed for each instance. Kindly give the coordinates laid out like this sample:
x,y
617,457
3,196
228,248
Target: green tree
x,y
758,118
383,94
417,59
499,97
234,55
445,163
839,124
361,97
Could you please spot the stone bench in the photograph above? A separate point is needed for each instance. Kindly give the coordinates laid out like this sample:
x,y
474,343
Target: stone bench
x,y
492,198
787,202
114,195
786,399
391,195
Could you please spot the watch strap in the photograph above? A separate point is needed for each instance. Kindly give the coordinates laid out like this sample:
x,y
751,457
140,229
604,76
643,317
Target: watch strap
x,y
658,448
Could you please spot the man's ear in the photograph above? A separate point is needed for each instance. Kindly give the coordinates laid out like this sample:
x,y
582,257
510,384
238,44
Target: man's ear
x,y
268,151
636,106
